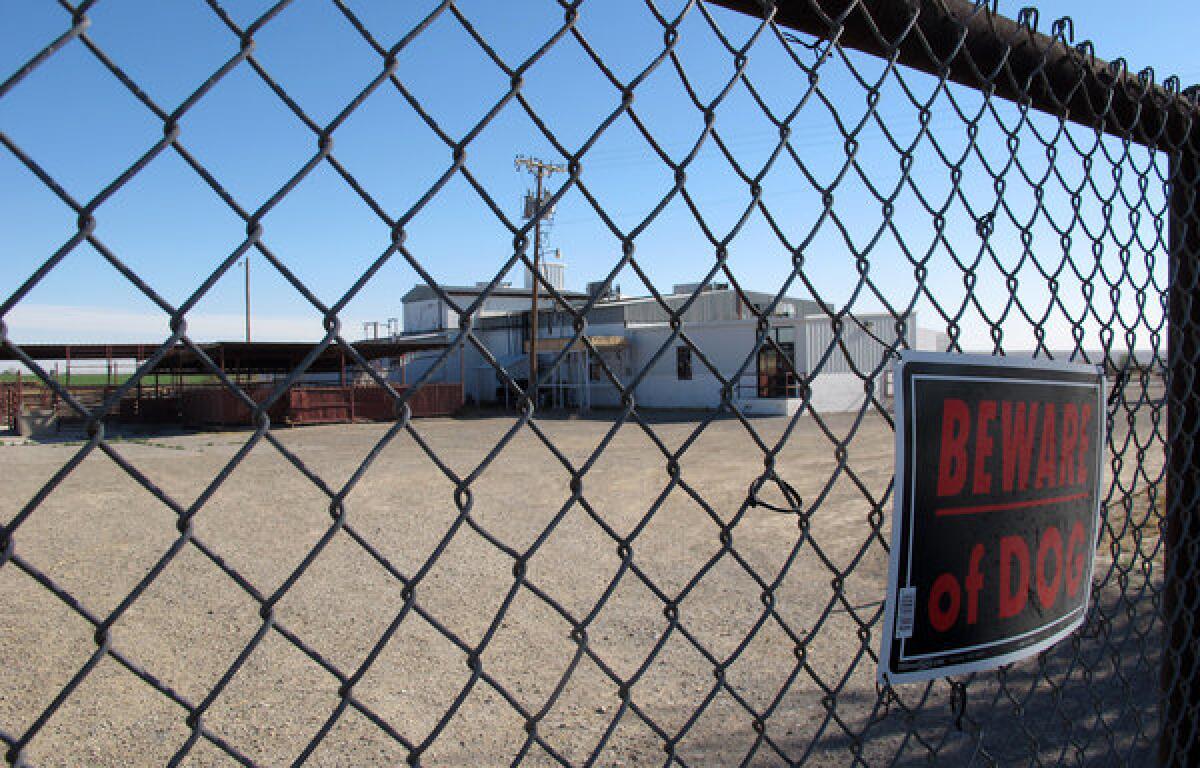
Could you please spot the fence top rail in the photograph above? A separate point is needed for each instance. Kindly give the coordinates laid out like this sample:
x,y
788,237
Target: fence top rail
x,y
970,43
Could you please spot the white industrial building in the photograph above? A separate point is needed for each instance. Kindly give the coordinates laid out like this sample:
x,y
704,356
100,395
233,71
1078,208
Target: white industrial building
x,y
630,334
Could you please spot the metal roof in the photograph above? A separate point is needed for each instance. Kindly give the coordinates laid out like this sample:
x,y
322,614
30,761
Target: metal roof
x,y
422,292
234,356
706,307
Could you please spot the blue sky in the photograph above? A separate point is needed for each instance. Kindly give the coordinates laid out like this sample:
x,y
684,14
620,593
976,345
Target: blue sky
x,y
78,122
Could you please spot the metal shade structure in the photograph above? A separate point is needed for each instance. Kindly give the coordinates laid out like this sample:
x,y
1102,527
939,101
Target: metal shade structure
x,y
234,357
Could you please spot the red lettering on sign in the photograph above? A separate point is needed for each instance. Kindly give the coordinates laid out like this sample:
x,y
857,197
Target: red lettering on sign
x,y
974,583
942,617
1012,601
1047,474
1085,415
952,463
1076,557
1048,590
974,459
1016,441
983,446
1070,438
1053,567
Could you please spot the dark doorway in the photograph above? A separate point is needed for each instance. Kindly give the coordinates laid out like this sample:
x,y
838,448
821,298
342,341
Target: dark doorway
x,y
774,372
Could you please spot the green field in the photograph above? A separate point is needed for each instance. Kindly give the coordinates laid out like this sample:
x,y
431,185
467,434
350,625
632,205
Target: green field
x,y
99,379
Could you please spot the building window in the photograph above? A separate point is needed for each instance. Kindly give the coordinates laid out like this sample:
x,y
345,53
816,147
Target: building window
x,y
683,363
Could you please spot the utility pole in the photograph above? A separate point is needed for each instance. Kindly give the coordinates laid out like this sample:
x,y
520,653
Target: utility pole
x,y
541,171
246,263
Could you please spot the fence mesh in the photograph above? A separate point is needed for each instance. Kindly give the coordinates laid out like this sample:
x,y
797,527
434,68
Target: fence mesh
x,y
635,588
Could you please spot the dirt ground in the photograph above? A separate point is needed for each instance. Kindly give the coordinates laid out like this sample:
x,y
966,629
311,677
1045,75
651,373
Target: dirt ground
x,y
806,667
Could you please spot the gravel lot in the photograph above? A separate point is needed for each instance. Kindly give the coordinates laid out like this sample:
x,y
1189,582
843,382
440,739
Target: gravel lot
x,y
99,533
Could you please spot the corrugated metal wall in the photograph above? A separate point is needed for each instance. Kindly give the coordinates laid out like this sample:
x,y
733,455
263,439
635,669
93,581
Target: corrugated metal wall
x,y
866,347
710,307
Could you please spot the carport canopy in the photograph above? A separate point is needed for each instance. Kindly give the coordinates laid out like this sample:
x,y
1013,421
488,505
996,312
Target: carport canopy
x,y
234,357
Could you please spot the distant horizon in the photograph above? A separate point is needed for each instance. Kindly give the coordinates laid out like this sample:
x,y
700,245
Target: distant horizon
x,y
99,325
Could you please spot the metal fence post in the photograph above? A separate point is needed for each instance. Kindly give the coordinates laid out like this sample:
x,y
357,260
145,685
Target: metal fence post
x,y
1180,739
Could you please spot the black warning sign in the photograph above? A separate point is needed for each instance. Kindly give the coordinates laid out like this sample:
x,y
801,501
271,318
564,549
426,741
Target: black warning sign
x,y
998,476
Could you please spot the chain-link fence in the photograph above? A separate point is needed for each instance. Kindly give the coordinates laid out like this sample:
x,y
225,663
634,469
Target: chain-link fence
x,y
675,578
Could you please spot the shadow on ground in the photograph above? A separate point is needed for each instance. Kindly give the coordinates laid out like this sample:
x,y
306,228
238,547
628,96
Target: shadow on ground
x,y
1092,700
